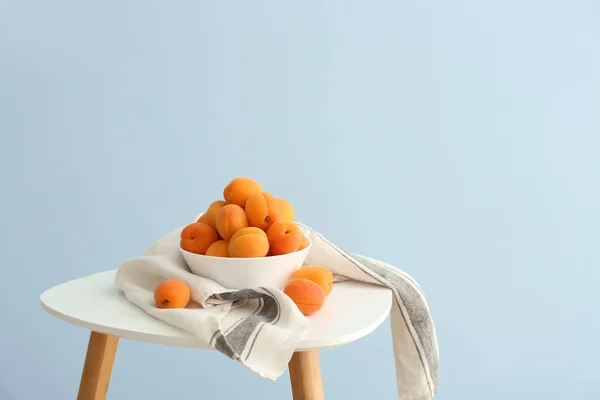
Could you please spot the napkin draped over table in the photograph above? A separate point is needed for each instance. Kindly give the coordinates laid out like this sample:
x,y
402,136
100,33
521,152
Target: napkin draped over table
x,y
260,326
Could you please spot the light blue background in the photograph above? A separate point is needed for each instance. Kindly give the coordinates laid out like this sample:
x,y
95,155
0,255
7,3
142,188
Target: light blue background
x,y
457,140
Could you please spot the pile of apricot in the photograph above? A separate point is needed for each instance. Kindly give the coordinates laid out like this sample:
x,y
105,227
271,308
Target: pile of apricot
x,y
247,223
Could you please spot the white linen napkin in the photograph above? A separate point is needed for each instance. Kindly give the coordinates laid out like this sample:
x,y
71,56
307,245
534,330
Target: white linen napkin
x,y
263,324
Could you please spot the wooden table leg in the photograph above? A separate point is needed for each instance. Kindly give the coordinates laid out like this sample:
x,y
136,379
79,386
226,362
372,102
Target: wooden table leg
x,y
305,376
98,365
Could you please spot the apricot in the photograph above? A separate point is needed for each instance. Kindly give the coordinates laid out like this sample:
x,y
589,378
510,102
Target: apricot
x,y
218,249
210,216
304,243
197,237
262,210
286,211
306,294
249,242
240,189
284,237
318,274
172,293
202,218
230,219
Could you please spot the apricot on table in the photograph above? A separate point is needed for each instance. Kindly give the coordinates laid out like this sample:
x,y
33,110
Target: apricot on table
x,y
240,189
218,249
230,219
284,237
286,211
318,274
262,210
172,293
210,216
249,242
306,294
197,237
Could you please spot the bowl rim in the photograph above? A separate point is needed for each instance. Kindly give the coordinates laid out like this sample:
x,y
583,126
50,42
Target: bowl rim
x,y
245,258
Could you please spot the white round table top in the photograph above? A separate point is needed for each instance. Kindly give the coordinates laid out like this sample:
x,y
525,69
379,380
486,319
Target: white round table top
x,y
351,311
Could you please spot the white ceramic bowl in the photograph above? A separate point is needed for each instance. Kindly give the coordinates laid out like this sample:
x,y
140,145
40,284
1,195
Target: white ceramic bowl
x,y
239,273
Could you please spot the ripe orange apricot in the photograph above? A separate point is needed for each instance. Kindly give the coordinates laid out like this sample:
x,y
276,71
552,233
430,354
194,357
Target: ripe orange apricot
x,y
240,189
284,237
249,242
262,210
218,249
286,211
172,293
307,295
304,243
318,274
210,216
202,218
230,219
197,237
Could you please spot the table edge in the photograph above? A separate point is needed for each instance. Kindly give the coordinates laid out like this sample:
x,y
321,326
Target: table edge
x,y
191,341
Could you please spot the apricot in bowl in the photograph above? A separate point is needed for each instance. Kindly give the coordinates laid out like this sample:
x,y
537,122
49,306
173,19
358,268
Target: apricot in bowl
x,y
247,270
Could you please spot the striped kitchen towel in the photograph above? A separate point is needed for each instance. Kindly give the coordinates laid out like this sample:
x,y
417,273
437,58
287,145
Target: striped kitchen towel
x,y
259,327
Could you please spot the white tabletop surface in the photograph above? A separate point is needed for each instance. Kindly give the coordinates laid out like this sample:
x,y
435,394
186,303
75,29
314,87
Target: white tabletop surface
x,y
351,311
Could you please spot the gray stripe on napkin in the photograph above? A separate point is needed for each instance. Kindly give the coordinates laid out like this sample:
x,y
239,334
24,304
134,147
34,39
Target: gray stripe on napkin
x,y
234,325
273,321
239,337
414,304
224,347
416,309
